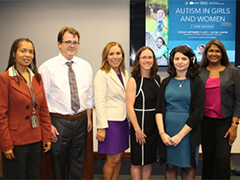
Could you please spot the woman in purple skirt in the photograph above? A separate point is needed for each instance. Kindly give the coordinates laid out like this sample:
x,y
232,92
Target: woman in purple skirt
x,y
110,104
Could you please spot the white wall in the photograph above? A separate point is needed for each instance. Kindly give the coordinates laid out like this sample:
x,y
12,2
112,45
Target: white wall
x,y
98,21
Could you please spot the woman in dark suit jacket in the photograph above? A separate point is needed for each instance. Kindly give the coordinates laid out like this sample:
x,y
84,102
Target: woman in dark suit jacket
x,y
221,110
24,116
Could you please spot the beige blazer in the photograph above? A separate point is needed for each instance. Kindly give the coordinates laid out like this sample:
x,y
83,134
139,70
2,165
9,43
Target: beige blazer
x,y
109,97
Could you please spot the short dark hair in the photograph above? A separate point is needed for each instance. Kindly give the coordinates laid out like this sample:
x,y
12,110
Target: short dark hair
x,y
67,29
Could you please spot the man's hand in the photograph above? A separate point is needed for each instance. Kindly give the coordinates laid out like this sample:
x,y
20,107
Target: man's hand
x,y
89,127
54,134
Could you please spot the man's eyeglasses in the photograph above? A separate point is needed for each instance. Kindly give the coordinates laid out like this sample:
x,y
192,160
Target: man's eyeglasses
x,y
68,43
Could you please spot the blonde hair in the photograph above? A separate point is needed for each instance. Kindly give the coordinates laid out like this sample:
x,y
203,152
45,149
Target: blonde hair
x,y
105,65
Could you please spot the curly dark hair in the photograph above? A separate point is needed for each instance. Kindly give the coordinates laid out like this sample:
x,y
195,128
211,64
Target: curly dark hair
x,y
193,68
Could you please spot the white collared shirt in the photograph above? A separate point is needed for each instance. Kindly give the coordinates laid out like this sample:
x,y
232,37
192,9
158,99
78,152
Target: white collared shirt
x,y
56,84
13,72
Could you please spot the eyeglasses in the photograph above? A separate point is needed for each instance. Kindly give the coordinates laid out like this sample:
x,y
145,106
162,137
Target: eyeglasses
x,y
145,57
68,43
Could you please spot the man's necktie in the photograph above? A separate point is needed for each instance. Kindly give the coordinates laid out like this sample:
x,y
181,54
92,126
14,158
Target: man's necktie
x,y
75,104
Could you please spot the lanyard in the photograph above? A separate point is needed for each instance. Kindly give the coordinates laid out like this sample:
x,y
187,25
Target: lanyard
x,y
34,117
31,91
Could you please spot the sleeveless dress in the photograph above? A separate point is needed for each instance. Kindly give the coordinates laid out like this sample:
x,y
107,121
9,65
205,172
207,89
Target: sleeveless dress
x,y
178,100
145,103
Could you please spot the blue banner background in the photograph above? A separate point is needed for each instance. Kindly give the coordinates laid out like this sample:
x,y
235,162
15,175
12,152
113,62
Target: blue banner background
x,y
195,22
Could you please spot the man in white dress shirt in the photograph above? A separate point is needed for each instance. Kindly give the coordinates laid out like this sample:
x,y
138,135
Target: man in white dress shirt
x,y
69,127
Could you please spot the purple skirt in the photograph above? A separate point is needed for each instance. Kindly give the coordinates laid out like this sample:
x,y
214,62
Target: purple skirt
x,y
117,138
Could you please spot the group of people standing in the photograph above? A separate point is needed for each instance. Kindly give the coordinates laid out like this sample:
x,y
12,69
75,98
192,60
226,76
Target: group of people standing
x,y
169,118
51,108
196,104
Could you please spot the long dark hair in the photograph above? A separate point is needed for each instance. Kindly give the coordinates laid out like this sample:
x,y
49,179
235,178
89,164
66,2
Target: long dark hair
x,y
163,42
193,68
11,60
224,61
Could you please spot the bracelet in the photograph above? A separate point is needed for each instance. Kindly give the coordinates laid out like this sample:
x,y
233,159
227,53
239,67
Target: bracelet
x,y
235,122
162,133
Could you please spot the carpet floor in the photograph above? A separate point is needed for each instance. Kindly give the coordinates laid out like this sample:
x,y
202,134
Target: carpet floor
x,y
157,171
153,177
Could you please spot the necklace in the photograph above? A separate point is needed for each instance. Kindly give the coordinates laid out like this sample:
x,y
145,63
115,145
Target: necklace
x,y
213,72
181,83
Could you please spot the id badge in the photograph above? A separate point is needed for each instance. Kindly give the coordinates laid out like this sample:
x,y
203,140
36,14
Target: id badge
x,y
34,118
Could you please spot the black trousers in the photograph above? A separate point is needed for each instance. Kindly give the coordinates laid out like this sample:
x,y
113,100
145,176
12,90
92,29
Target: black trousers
x,y
26,165
69,150
215,148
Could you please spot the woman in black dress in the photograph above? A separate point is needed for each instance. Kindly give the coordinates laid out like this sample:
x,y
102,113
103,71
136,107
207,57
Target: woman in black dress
x,y
141,94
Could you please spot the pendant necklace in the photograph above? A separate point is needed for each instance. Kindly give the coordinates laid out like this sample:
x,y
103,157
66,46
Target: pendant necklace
x,y
181,83
213,72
